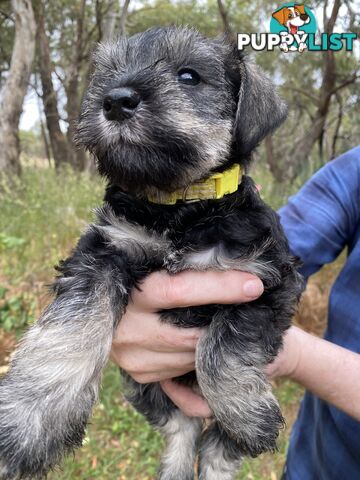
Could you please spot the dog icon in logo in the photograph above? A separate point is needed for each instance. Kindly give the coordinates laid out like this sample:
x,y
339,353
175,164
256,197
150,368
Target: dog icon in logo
x,y
293,18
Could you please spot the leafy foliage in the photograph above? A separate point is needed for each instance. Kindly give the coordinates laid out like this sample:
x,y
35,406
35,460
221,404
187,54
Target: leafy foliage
x,y
7,27
41,216
17,311
75,27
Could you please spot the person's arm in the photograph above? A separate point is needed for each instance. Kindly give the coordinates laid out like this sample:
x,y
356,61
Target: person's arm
x,y
320,220
327,370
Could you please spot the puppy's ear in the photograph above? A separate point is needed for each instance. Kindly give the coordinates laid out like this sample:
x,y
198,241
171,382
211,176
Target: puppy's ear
x,y
301,8
280,16
259,111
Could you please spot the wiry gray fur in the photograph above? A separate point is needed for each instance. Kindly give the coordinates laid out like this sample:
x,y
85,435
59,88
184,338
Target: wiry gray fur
x,y
176,134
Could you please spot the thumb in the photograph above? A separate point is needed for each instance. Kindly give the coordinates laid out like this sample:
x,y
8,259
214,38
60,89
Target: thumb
x,y
191,403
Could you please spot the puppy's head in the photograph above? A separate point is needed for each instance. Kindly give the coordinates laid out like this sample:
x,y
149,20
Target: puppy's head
x,y
292,17
167,106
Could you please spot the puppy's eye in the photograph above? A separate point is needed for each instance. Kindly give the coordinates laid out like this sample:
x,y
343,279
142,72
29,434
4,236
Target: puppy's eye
x,y
189,76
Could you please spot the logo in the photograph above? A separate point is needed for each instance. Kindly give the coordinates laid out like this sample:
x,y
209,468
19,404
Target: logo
x,y
293,24
293,28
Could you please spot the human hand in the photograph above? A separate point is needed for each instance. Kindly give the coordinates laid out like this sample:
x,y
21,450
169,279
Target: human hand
x,y
152,351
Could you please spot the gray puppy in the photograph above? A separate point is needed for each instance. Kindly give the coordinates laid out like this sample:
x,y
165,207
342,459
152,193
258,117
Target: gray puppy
x,y
164,111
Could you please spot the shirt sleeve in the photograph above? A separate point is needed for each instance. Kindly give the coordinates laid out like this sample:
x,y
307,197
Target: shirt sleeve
x,y
321,219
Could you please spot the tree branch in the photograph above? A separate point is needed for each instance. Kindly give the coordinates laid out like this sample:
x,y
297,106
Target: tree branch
x,y
7,16
100,14
345,83
329,26
35,88
225,20
305,93
325,18
338,125
59,77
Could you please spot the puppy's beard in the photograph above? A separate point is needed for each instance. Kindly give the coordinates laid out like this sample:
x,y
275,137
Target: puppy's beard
x,y
177,150
130,131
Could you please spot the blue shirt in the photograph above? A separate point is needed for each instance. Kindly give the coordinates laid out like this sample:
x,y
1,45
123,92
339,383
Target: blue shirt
x,y
320,221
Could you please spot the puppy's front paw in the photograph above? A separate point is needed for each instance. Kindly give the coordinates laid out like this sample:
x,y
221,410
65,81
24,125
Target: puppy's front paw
x,y
267,421
37,426
255,426
16,461
241,399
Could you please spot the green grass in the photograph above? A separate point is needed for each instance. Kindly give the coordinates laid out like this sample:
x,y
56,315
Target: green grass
x,y
120,445
41,217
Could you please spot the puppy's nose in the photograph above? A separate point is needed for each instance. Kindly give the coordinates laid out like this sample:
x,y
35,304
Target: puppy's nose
x,y
304,16
120,103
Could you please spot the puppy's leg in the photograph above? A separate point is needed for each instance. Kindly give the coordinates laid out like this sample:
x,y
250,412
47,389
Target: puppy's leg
x,y
230,372
54,376
219,456
181,435
181,432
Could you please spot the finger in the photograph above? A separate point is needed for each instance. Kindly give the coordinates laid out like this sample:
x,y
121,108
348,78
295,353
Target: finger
x,y
150,333
140,361
155,376
170,339
192,404
161,290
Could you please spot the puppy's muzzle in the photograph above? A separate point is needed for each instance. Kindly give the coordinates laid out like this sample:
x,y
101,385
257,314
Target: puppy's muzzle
x,y
121,103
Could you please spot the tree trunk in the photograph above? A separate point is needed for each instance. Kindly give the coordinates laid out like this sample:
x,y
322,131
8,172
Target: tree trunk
x,y
304,145
108,22
44,134
274,165
59,146
15,87
123,17
72,89
73,109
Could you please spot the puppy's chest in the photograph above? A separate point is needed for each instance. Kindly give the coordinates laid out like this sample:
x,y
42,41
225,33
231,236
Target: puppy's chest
x,y
220,242
173,250
225,253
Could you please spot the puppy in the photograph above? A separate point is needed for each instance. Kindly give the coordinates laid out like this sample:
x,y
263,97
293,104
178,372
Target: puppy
x,y
292,18
169,117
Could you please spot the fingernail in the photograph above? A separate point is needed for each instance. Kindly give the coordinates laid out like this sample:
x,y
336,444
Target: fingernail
x,y
253,288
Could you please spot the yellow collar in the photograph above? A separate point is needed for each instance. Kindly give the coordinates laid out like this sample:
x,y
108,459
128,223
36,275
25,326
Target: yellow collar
x,y
214,187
